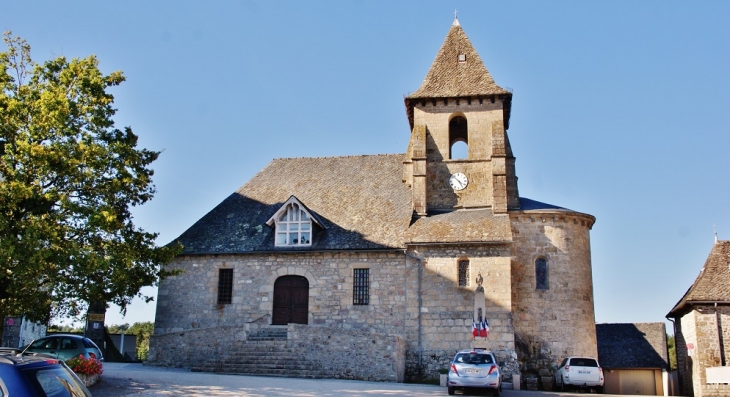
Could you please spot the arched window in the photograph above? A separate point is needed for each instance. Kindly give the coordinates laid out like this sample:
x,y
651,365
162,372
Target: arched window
x,y
458,138
541,273
463,269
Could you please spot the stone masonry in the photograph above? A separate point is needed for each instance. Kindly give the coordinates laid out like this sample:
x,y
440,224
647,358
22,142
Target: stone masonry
x,y
699,328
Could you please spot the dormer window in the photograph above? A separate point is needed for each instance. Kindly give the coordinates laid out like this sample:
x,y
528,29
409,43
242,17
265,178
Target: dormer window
x,y
293,224
461,58
293,227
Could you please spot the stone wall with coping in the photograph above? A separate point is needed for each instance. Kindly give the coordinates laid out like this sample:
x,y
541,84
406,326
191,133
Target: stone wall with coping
x,y
184,349
559,321
356,355
353,355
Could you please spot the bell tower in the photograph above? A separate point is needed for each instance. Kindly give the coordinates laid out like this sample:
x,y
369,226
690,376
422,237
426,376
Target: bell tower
x,y
460,105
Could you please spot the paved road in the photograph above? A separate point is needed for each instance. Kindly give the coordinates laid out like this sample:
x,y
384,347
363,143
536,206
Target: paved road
x,y
142,381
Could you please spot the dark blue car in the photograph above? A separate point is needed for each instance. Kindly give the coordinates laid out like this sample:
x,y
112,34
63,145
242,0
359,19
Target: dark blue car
x,y
34,375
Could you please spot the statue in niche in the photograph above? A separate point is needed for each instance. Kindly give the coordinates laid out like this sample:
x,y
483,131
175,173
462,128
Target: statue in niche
x,y
479,281
479,314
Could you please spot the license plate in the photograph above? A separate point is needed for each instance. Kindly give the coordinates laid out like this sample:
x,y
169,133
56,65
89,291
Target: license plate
x,y
584,372
472,371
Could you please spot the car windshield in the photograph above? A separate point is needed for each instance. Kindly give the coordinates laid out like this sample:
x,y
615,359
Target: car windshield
x,y
583,362
473,358
57,381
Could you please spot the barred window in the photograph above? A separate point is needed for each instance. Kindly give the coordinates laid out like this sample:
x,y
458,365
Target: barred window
x,y
464,273
541,273
225,286
361,287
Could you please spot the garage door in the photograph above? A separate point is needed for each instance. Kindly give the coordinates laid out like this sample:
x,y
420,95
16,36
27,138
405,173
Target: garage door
x,y
640,382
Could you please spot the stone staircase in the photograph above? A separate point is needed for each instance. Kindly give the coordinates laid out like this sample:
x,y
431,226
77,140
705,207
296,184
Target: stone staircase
x,y
263,354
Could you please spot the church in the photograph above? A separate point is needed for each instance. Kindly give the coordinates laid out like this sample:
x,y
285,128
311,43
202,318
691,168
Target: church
x,y
389,260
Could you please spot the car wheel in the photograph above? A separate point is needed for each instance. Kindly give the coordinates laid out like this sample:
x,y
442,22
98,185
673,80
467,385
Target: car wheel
x,y
599,389
496,392
451,391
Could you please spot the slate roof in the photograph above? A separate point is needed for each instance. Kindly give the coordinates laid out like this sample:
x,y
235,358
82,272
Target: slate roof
x,y
713,282
461,226
534,205
449,78
361,200
632,346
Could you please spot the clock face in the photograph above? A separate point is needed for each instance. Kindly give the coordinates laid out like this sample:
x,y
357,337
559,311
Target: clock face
x,y
458,181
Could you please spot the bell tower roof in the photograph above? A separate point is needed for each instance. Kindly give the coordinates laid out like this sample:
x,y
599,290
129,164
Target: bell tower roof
x,y
458,72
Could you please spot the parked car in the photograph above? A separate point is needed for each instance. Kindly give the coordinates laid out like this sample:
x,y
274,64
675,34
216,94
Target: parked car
x,y
33,375
579,372
474,369
65,346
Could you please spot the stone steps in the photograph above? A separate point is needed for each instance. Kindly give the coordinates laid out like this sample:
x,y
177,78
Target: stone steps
x,y
264,353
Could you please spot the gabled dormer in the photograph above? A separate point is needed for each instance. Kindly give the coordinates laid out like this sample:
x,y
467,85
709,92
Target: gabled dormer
x,y
294,225
459,106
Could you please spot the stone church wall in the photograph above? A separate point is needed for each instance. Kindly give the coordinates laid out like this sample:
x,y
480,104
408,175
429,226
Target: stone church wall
x,y
446,310
553,323
189,301
434,326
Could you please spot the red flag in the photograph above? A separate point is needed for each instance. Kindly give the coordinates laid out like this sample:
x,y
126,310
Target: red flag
x,y
474,331
485,327
483,330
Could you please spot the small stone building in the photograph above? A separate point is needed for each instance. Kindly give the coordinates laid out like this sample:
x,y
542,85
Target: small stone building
x,y
702,328
388,249
18,331
634,358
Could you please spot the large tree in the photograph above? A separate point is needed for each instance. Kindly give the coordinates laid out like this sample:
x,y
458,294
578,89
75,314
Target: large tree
x,y
68,180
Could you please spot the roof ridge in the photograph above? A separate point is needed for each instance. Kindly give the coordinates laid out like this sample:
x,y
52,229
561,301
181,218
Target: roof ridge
x,y
337,157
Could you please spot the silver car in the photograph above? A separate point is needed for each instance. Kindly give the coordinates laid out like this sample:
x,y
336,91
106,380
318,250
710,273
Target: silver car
x,y
475,369
65,346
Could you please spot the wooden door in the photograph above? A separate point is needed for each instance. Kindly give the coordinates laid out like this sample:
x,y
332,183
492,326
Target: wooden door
x,y
291,300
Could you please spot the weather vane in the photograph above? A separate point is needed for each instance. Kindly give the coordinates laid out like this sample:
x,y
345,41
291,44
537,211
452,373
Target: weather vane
x,y
455,11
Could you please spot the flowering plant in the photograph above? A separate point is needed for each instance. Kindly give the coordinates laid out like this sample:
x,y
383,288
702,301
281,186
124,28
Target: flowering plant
x,y
86,366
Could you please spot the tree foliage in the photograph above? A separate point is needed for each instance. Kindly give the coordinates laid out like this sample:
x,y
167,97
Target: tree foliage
x,y
141,330
68,180
672,351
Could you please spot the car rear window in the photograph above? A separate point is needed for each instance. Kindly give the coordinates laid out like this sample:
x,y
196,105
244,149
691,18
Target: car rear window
x,y
583,362
468,358
56,381
88,343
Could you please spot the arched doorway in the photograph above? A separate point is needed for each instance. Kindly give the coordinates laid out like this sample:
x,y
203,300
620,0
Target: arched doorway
x,y
291,300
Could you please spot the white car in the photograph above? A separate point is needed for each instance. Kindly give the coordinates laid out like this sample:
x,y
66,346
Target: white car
x,y
579,372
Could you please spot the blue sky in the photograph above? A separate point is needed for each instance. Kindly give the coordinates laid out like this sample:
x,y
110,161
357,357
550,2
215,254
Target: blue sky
x,y
621,109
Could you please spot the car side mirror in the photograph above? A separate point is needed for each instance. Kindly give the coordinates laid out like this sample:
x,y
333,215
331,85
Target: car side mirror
x,y
555,367
501,363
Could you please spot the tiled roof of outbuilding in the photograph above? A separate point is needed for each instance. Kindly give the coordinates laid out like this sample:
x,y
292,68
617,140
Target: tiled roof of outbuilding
x,y
461,226
449,78
627,346
713,282
361,200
